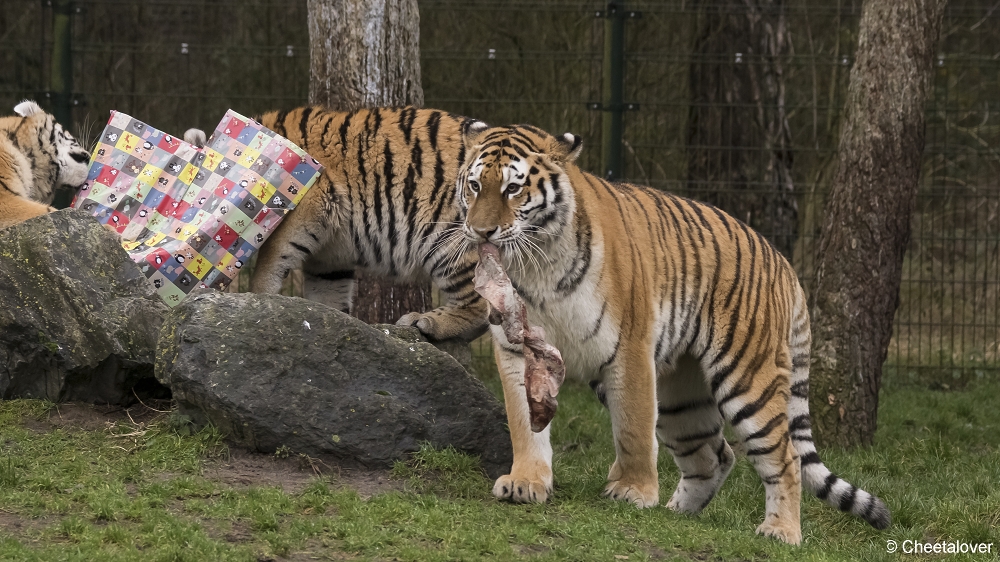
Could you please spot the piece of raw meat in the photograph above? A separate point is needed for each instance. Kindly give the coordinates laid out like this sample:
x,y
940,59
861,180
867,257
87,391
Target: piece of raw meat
x,y
544,370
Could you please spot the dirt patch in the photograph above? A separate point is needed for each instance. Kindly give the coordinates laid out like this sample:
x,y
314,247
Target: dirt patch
x,y
19,526
369,482
293,474
526,550
90,417
239,533
240,469
244,469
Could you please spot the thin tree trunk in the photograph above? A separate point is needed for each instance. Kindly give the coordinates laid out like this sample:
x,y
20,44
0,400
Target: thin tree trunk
x,y
866,227
739,156
366,53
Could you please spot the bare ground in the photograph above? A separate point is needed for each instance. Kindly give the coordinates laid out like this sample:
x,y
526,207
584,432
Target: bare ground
x,y
239,469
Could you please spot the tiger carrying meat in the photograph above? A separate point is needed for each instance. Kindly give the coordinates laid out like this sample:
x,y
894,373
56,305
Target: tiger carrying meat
x,y
37,156
385,204
683,317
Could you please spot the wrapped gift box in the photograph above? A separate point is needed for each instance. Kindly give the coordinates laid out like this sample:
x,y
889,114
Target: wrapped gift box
x,y
193,217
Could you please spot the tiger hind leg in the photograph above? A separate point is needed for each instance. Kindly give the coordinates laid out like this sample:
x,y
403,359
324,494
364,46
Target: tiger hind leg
x,y
334,289
759,418
301,236
690,427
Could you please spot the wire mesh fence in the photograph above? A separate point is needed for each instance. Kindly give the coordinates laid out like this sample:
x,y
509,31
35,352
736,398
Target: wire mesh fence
x,y
733,102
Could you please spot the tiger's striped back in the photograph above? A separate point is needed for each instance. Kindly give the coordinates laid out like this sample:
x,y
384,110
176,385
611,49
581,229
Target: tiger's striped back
x,y
684,318
384,204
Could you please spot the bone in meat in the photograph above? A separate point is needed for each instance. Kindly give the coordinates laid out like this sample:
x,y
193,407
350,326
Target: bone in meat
x,y
544,370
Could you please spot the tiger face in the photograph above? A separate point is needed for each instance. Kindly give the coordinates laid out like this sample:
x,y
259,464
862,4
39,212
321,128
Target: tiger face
x,y
56,157
514,188
37,156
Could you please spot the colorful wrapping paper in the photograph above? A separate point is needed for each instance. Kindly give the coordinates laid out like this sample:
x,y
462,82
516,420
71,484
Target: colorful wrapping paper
x,y
193,217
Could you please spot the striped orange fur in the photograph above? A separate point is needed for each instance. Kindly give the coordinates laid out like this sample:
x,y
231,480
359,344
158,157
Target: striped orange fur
x,y
37,156
385,204
683,317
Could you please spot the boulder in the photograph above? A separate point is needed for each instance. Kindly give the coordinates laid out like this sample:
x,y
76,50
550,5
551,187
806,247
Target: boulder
x,y
281,372
78,320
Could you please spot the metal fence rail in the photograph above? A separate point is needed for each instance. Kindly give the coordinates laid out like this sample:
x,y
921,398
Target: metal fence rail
x,y
702,78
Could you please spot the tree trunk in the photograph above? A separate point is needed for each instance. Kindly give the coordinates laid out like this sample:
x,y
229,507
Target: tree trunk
x,y
866,227
366,53
739,156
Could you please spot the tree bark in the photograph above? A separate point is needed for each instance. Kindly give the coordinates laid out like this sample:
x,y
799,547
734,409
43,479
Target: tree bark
x,y
739,156
366,53
866,227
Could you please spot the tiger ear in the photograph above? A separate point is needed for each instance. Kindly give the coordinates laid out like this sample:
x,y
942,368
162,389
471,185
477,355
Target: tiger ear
x,y
27,108
471,132
566,148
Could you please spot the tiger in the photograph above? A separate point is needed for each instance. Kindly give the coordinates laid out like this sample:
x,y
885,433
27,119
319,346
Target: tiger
x,y
384,204
37,156
681,316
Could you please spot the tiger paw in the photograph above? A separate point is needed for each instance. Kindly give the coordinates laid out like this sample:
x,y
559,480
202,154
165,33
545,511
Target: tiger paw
x,y
642,495
420,321
522,490
685,503
447,322
789,532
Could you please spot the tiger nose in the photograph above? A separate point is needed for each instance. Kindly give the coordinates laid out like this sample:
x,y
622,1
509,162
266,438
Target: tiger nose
x,y
484,233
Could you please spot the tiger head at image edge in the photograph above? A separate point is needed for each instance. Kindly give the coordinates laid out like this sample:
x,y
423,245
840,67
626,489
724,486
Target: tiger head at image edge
x,y
37,157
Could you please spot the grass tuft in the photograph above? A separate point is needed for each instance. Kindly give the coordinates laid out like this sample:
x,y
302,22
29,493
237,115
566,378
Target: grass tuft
x,y
444,471
8,474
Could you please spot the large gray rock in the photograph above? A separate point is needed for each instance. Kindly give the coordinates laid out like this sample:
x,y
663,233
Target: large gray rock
x,y
78,320
273,371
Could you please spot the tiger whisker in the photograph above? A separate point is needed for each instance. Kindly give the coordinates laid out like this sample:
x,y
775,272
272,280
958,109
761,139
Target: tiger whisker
x,y
530,245
529,239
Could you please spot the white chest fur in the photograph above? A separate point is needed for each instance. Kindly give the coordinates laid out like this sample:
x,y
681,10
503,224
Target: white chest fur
x,y
579,324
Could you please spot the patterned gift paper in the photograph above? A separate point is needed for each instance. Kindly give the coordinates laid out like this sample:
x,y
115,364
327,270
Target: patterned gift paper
x,y
193,217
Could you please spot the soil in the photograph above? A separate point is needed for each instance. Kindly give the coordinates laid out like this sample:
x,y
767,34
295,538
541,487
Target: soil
x,y
17,525
240,468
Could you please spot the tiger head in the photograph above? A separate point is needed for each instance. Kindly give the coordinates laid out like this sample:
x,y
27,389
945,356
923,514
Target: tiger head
x,y
513,185
57,159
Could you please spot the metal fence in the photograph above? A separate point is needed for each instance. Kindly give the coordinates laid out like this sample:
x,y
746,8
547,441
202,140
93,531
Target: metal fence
x,y
733,102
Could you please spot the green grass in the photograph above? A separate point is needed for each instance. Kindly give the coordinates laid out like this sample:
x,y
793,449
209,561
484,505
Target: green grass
x,y
138,492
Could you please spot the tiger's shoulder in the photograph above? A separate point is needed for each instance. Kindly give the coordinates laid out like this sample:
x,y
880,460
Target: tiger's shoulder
x,y
37,156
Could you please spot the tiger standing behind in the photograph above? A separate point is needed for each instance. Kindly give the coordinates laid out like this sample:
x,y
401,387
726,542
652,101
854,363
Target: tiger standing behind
x,y
683,316
385,203
36,156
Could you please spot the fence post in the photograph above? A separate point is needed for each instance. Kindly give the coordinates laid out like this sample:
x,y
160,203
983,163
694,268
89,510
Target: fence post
x,y
62,62
61,78
613,86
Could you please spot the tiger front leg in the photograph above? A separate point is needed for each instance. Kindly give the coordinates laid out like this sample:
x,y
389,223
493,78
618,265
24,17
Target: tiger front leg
x,y
465,314
530,478
465,321
630,389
